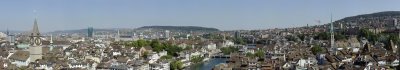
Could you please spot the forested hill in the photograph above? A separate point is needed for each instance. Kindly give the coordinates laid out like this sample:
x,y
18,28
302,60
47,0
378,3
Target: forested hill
x,y
383,19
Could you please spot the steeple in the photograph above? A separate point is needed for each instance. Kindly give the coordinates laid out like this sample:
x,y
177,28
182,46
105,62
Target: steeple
x,y
51,39
35,35
332,37
35,31
51,43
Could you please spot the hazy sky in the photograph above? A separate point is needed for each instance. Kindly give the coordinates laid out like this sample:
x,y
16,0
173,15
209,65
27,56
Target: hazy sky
x,y
221,14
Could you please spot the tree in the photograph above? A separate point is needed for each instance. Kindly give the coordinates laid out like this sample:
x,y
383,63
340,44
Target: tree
x,y
196,59
228,50
156,45
250,55
260,54
316,49
322,36
212,36
141,43
339,36
172,49
130,44
301,36
176,65
291,38
138,43
239,41
368,35
166,57
188,48
145,54
395,40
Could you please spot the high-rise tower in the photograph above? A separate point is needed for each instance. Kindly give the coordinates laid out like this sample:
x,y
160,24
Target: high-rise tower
x,y
90,32
35,39
167,34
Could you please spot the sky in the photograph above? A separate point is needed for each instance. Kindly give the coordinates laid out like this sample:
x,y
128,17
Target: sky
x,y
55,15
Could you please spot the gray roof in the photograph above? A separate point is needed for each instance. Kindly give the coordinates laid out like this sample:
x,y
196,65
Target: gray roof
x,y
20,56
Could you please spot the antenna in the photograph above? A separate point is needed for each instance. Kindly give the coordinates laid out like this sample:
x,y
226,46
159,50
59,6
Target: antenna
x,y
331,17
8,32
318,21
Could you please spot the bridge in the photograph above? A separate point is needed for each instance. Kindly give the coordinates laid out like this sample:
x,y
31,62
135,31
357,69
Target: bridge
x,y
220,55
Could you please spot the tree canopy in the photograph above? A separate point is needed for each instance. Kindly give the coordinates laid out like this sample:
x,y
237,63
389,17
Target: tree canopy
x,y
156,45
322,36
176,65
228,50
260,54
316,49
369,35
196,59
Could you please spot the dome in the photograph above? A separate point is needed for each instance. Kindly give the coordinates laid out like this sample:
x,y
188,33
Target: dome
x,y
22,46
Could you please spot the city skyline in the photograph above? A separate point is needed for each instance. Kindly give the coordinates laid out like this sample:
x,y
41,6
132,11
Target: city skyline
x,y
224,14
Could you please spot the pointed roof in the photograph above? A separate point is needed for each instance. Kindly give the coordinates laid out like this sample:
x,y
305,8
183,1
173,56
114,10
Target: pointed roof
x,y
35,31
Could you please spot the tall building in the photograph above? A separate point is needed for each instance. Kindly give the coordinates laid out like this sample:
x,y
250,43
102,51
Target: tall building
x,y
117,37
10,37
166,34
90,32
237,34
394,22
8,32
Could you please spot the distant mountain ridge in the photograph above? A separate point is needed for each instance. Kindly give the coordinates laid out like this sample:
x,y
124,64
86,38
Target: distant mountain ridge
x,y
171,28
181,28
382,19
387,14
82,31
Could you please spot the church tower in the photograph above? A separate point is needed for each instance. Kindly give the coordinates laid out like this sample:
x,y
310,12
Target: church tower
x,y
35,39
333,47
36,43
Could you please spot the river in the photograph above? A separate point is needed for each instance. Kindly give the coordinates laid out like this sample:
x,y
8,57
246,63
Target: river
x,y
209,64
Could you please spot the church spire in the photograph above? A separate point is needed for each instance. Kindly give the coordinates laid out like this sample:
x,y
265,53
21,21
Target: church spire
x,y
332,37
35,35
35,31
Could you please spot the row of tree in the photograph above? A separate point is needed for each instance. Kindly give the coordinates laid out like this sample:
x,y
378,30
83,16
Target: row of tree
x,y
228,50
156,46
258,53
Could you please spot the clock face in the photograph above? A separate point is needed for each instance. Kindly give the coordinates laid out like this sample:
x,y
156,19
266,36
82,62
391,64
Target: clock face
x,y
37,41
32,41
